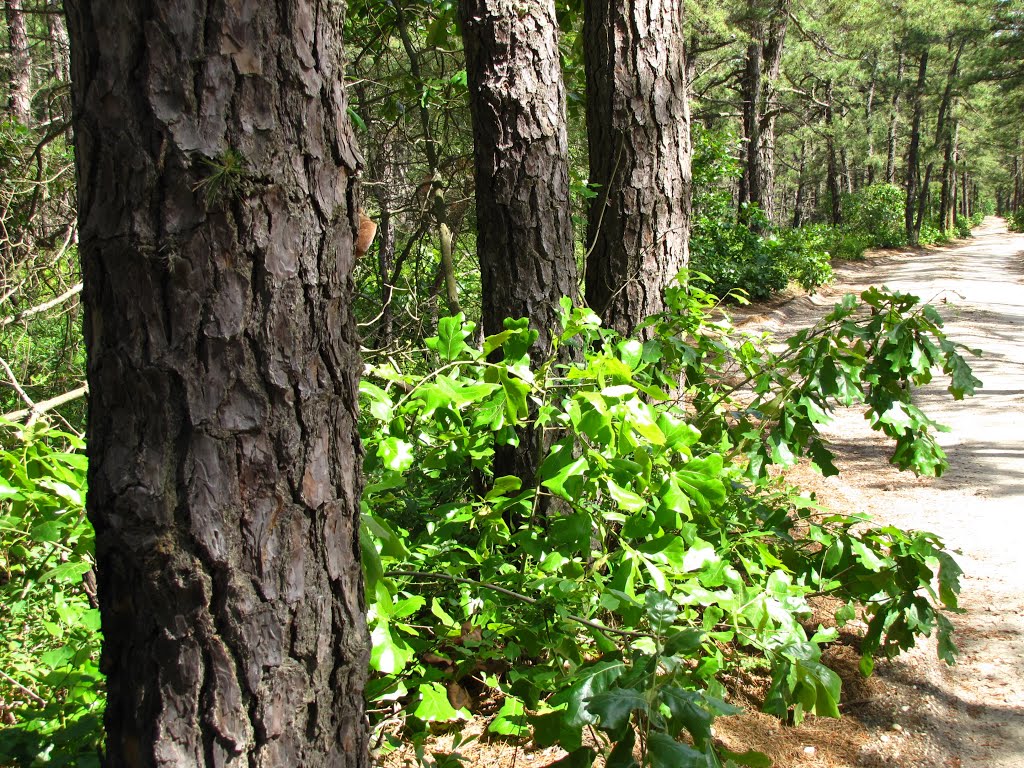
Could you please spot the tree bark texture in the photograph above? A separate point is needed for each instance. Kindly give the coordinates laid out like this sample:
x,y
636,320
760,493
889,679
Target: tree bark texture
x,y
913,151
218,209
517,103
20,98
763,62
638,126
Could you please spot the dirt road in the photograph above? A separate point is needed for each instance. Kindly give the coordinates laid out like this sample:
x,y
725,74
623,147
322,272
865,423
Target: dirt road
x,y
922,713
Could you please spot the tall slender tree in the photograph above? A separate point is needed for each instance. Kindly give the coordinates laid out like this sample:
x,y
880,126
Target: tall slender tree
x,y
218,207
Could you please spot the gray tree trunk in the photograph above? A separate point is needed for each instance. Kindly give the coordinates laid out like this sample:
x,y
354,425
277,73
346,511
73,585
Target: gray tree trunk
x,y
20,98
218,207
638,126
767,27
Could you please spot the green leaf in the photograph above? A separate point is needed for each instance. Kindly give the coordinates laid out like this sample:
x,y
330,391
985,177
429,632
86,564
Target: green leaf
x,y
566,483
626,499
511,718
684,642
750,758
687,712
621,755
434,705
614,707
947,648
665,752
66,572
589,681
661,609
395,454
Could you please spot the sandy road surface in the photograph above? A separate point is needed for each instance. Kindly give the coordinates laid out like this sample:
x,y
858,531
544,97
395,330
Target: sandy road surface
x,y
971,715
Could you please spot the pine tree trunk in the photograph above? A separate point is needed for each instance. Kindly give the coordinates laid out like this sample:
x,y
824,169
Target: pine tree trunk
x,y
218,208
517,102
20,99
890,158
761,72
834,190
638,125
913,152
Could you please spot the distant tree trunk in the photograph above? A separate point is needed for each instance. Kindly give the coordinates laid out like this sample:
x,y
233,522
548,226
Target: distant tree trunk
x,y
894,112
913,152
869,104
965,198
834,191
801,186
438,207
947,200
60,103
517,102
942,135
218,209
763,62
638,125
20,99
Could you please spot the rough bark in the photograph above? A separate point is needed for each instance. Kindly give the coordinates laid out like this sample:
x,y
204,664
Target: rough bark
x,y
638,127
762,64
913,151
517,102
218,208
20,98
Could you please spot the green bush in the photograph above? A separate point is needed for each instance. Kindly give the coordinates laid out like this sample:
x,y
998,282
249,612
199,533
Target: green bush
x,y
876,212
652,553
847,244
51,687
751,256
1015,221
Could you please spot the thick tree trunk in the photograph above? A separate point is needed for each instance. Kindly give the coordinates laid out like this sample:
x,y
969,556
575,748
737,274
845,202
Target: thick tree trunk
x,y
894,112
913,152
20,99
218,209
517,101
761,72
638,126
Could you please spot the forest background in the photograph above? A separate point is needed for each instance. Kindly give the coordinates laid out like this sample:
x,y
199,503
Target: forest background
x,y
570,511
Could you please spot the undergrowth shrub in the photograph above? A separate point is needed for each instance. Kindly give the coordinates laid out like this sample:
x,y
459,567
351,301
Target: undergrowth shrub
x,y
752,256
1015,221
653,551
51,690
876,214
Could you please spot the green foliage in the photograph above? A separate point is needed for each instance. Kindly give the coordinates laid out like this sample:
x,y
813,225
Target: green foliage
x,y
1015,221
751,256
876,212
653,551
51,688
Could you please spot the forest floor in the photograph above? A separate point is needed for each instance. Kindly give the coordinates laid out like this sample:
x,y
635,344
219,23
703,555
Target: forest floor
x,y
915,711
